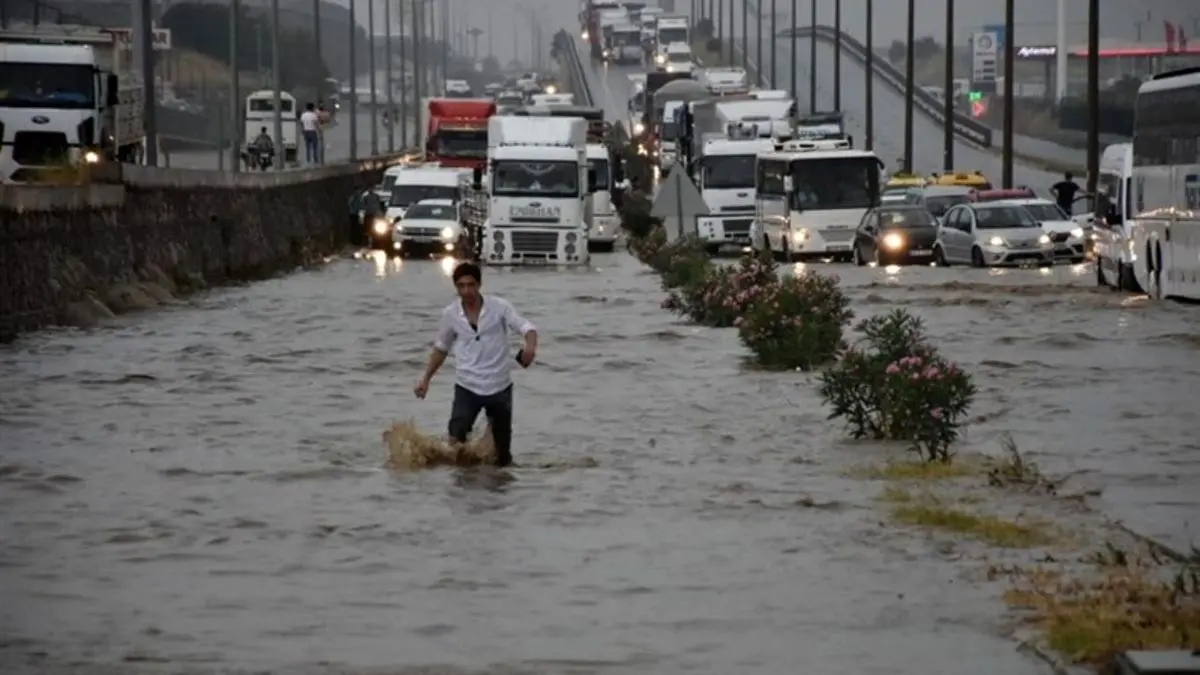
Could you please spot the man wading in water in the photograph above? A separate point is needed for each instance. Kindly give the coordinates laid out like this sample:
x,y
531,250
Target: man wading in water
x,y
478,329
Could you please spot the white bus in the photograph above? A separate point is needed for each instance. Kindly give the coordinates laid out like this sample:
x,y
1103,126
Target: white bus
x,y
1113,218
809,199
1166,185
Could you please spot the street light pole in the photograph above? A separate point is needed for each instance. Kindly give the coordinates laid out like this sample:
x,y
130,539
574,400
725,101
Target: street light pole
x,y
948,93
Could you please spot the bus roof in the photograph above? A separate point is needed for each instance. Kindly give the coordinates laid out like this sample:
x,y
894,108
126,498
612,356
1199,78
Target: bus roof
x,y
819,154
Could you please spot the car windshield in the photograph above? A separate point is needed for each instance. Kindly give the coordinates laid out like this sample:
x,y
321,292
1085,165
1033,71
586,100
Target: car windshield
x,y
900,198
431,212
1046,212
404,196
728,171
905,218
679,57
939,205
1004,217
43,85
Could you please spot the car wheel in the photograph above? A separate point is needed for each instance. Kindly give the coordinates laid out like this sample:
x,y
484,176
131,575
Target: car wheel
x,y
977,257
858,258
878,259
939,257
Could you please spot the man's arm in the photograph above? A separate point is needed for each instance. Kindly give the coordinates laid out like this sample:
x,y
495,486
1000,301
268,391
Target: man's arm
x,y
523,326
441,347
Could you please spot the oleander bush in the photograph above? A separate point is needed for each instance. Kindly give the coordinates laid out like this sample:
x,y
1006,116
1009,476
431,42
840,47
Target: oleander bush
x,y
796,323
894,385
717,295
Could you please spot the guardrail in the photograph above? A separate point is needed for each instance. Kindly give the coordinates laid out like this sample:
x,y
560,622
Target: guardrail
x,y
568,56
964,127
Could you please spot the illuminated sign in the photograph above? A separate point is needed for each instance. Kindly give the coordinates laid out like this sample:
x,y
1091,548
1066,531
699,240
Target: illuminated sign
x,y
1036,52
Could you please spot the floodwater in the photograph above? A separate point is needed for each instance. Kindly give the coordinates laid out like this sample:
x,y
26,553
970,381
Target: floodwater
x,y
201,489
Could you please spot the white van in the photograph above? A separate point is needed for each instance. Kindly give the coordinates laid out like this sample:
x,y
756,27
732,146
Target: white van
x,y
1113,215
260,112
420,183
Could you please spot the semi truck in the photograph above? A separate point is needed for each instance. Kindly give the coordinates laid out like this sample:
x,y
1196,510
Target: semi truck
x,y
67,97
529,207
456,131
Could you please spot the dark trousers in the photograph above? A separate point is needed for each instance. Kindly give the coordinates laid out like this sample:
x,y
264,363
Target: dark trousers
x,y
498,406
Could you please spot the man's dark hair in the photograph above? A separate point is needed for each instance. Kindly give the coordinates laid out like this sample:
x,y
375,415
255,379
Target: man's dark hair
x,y
466,269
308,106
1067,176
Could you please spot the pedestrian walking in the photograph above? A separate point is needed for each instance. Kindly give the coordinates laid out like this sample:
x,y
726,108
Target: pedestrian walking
x,y
477,328
310,126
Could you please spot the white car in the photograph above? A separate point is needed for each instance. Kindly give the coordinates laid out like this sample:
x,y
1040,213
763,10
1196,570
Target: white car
x,y
1067,235
990,234
430,226
675,58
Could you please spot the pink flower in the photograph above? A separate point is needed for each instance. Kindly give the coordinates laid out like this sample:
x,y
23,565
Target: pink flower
x,y
737,321
932,373
893,369
936,413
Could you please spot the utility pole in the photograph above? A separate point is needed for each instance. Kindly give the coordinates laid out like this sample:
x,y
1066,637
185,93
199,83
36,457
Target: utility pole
x,y
1093,85
837,54
353,84
1009,49
909,90
277,104
387,74
869,98
812,59
948,93
235,95
371,68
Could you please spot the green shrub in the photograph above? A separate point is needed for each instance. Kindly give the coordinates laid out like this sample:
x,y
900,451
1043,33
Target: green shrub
x,y
720,294
796,323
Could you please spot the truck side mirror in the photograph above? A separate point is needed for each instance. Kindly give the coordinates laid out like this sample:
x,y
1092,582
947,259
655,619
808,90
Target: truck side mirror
x,y
477,178
112,93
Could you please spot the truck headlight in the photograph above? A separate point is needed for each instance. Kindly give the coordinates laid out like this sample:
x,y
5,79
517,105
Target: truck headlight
x,y
380,226
447,233
91,157
670,69
995,241
800,236
639,129
585,35
1077,233
660,59
1044,239
893,241
551,89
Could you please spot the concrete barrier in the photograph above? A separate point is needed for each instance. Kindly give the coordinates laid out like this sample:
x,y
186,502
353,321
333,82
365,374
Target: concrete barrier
x,y
75,255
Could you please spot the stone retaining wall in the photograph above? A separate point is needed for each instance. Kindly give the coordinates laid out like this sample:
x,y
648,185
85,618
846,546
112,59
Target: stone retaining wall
x,y
75,255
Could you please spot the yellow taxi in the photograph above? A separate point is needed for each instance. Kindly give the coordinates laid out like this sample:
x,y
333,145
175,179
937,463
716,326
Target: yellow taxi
x,y
972,179
903,181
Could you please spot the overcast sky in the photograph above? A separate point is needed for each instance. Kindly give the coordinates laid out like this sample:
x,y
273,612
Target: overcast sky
x,y
1034,18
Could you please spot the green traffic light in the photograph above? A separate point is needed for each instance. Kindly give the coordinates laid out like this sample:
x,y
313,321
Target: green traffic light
x,y
975,96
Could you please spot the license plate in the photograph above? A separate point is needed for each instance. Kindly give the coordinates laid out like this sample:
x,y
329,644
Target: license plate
x,y
535,261
838,247
921,251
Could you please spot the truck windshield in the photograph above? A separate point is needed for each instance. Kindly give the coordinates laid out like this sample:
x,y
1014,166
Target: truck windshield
x,y
600,166
515,178
668,36
728,171
460,143
47,85
844,183
404,196
627,38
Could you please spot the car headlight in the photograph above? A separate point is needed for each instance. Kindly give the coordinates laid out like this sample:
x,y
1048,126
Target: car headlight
x,y
1044,239
800,235
639,129
553,89
380,227
91,157
670,69
447,233
660,59
995,241
398,224
1077,233
893,241
607,53
585,35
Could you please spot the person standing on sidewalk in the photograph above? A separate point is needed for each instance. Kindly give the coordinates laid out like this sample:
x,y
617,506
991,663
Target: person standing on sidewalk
x,y
310,126
477,328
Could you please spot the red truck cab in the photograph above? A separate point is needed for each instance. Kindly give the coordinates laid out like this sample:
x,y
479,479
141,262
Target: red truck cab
x,y
456,131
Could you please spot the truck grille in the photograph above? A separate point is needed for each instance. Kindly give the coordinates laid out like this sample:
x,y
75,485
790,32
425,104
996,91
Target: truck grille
x,y
837,235
39,148
534,242
739,226
1059,237
738,209
421,232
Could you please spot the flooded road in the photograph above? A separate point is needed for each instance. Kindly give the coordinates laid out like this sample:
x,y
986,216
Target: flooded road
x,y
200,489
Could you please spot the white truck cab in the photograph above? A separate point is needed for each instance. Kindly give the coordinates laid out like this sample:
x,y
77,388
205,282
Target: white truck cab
x,y
418,183
1115,210
672,29
725,172
605,223
529,207
550,100
458,89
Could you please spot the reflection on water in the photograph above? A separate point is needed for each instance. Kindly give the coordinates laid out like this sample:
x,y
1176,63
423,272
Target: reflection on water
x,y
203,487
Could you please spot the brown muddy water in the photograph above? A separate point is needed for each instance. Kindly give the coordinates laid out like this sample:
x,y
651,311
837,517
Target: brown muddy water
x,y
202,489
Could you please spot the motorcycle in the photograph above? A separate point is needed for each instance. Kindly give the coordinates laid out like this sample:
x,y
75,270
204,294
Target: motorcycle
x,y
255,158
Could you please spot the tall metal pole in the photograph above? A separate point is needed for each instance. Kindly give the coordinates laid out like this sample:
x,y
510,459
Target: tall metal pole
x,y
387,70
316,27
793,89
353,84
837,54
774,43
909,89
405,41
732,36
758,39
417,44
235,96
869,95
717,28
371,70
812,59
948,93
149,103
1093,85
446,39
1007,156
277,105
746,35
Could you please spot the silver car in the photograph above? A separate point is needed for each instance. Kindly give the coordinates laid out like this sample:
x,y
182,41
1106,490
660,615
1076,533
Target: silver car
x,y
941,198
990,234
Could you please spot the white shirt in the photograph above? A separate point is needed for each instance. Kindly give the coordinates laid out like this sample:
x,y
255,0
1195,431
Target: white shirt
x,y
482,361
309,121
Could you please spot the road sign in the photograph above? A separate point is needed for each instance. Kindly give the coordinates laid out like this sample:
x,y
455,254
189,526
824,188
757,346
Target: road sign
x,y
985,48
162,38
1001,34
678,203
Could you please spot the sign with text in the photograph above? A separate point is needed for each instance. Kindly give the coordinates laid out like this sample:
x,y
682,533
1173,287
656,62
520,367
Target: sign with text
x,y
162,38
985,48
